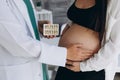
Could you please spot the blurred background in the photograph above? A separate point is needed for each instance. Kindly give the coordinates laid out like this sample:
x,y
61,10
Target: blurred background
x,y
58,8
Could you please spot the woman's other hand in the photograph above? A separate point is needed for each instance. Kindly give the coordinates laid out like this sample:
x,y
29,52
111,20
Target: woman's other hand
x,y
74,66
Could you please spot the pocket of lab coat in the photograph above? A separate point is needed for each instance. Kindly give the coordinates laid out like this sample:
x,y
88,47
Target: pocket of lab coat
x,y
17,72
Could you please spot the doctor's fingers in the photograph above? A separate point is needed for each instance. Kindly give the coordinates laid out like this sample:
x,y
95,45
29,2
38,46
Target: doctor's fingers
x,y
41,23
86,56
74,53
50,36
79,56
84,50
82,57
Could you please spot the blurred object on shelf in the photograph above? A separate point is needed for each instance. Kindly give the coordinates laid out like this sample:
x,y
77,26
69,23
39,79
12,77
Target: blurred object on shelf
x,y
59,9
39,5
44,14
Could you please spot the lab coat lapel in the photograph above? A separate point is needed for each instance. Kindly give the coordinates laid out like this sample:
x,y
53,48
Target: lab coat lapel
x,y
109,24
110,20
23,10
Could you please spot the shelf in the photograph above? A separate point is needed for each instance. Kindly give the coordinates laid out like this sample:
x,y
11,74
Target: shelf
x,y
44,14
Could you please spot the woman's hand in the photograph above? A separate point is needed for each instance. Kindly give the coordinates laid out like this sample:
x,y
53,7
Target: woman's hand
x,y
74,66
40,27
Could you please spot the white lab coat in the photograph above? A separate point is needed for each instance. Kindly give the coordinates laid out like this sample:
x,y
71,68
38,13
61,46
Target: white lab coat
x,y
107,56
21,54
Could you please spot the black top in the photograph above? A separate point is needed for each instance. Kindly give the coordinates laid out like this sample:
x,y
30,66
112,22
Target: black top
x,y
83,17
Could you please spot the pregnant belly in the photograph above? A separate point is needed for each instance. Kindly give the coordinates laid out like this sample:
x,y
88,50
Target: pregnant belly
x,y
80,34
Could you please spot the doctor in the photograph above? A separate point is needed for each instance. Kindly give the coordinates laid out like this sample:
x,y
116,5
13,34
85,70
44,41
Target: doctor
x,y
20,51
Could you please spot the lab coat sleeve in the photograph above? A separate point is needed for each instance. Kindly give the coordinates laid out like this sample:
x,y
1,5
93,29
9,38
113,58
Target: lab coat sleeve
x,y
104,57
22,45
53,55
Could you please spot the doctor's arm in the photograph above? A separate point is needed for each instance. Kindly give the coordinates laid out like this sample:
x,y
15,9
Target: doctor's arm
x,y
15,39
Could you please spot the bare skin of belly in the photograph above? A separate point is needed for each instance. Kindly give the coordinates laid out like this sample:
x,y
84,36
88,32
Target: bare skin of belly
x,y
79,34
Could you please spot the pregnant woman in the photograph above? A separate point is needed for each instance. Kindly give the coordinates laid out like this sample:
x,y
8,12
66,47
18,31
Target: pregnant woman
x,y
88,22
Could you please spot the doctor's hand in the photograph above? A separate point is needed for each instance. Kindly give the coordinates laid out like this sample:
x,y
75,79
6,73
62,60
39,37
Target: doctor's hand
x,y
40,27
77,53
